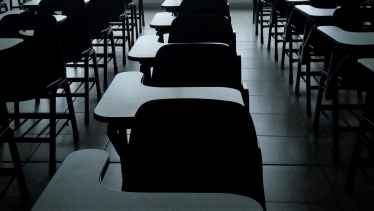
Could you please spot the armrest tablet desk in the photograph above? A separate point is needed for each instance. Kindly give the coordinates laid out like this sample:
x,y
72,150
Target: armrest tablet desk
x,y
77,186
126,94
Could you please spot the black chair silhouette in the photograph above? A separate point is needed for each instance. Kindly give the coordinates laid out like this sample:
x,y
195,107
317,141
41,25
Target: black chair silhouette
x,y
198,64
101,30
76,43
119,21
202,28
6,135
178,145
314,47
264,8
277,20
364,137
40,74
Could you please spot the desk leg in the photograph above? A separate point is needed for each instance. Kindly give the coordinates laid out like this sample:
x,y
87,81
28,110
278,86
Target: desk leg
x,y
146,70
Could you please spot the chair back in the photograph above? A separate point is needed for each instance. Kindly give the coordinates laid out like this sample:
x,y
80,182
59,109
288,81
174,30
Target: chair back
x,y
354,19
75,31
202,28
194,145
115,9
204,7
39,64
98,16
196,64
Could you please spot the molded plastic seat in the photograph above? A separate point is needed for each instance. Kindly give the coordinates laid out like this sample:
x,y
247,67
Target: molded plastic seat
x,y
198,64
193,145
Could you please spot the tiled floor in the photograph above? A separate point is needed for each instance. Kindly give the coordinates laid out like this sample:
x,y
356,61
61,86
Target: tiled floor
x,y
298,170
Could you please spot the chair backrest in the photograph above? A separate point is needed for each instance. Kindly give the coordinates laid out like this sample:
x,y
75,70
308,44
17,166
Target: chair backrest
x,y
40,61
75,31
204,7
354,19
196,64
115,9
98,15
202,28
194,145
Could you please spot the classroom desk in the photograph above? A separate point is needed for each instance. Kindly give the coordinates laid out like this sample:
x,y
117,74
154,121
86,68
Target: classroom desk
x,y
126,94
144,51
319,17
161,22
171,5
77,186
358,45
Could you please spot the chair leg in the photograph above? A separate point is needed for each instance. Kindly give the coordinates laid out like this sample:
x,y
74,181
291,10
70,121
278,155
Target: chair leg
x,y
354,163
105,84
86,89
319,103
136,23
335,129
52,135
308,89
290,58
298,76
114,57
17,166
142,12
262,26
269,35
96,71
275,40
256,20
73,120
124,40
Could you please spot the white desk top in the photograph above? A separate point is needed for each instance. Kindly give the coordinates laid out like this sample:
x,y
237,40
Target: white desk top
x,y
171,3
313,12
7,43
341,37
368,63
145,48
76,186
126,94
35,3
11,12
162,20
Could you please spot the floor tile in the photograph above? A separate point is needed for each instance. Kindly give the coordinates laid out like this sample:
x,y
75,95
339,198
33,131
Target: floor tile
x,y
277,125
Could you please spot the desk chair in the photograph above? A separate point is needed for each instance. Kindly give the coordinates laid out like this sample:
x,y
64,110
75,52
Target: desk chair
x,y
263,10
76,44
277,20
364,137
120,24
341,74
198,64
193,145
101,30
314,47
40,75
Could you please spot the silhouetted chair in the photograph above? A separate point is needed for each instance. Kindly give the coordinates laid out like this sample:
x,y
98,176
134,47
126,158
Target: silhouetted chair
x,y
193,145
198,64
76,44
40,74
277,20
6,135
202,28
364,137
119,21
264,8
101,30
